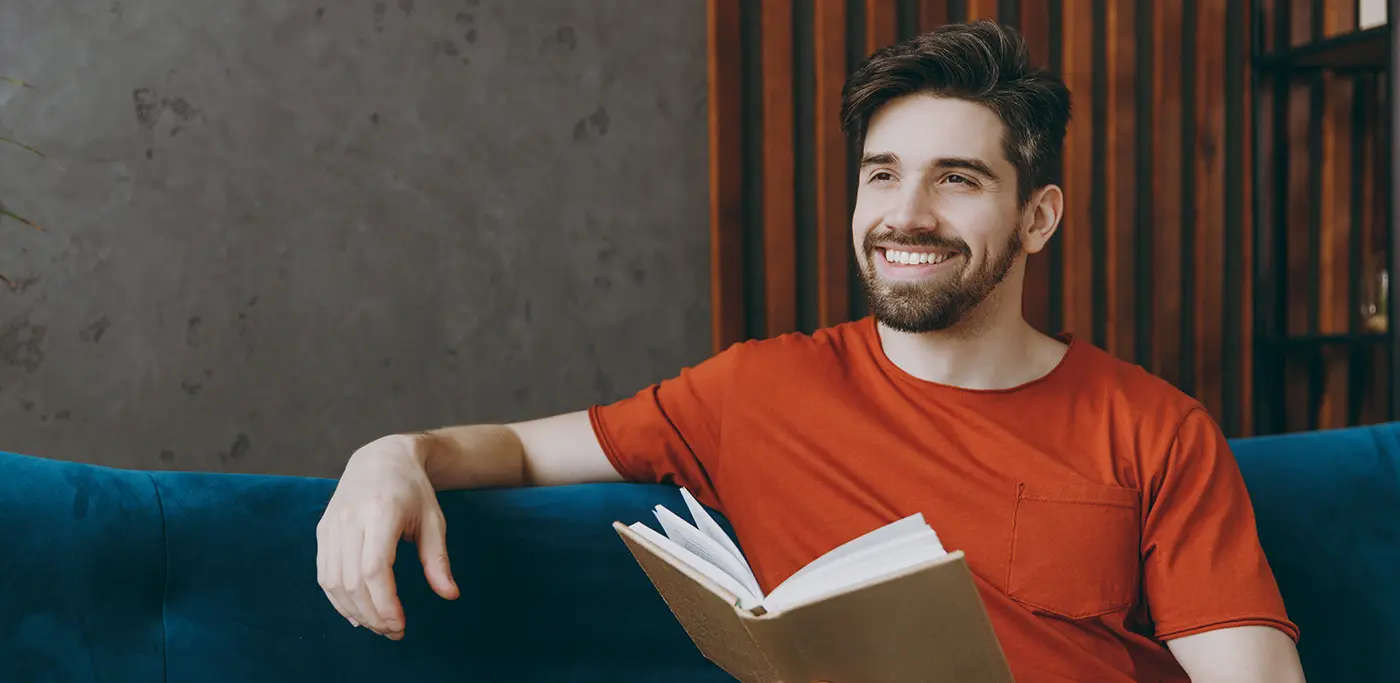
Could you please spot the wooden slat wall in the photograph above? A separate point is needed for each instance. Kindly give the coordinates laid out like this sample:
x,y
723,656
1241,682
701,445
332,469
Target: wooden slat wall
x,y
1328,128
1153,259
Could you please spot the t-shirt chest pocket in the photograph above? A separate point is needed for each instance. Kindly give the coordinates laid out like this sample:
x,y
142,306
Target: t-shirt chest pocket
x,y
1075,549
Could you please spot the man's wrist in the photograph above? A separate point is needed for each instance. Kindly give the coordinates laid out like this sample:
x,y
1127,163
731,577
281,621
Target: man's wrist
x,y
422,446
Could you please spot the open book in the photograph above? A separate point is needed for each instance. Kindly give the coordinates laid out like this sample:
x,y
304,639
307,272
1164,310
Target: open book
x,y
890,605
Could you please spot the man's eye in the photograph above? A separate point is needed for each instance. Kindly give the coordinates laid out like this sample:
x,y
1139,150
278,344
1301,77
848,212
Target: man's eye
x,y
960,179
881,176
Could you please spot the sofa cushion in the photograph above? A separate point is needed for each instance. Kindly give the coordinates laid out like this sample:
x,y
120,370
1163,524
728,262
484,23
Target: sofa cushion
x,y
1328,511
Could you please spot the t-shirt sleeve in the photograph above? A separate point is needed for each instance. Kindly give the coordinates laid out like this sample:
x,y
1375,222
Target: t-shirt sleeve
x,y
669,432
1203,565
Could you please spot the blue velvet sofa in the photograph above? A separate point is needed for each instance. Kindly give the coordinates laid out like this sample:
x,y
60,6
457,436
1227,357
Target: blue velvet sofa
x,y
161,577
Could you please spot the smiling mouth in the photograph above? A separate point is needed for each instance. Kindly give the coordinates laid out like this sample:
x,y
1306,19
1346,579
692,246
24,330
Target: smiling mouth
x,y
905,257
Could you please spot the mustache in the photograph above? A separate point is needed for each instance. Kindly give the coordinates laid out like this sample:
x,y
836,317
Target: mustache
x,y
917,239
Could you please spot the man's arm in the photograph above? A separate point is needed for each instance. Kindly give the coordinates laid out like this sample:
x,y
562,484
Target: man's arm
x,y
388,492
666,432
552,451
1240,654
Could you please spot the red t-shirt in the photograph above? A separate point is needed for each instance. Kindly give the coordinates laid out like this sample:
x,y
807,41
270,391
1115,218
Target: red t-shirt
x,y
1100,508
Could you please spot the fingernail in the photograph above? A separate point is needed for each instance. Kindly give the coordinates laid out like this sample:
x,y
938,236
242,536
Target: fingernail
x,y
354,623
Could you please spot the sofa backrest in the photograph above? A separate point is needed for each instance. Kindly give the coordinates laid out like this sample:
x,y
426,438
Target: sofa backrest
x,y
82,573
1327,505
132,577
123,576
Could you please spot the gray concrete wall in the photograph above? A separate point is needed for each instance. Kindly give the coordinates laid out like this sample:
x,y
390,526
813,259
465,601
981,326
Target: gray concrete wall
x,y
279,229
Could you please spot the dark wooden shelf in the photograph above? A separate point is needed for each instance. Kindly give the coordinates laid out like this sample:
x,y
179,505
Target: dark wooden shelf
x,y
1316,340
1368,49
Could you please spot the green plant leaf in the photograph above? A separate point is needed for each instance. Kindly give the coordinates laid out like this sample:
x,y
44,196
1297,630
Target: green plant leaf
x,y
21,145
10,214
16,81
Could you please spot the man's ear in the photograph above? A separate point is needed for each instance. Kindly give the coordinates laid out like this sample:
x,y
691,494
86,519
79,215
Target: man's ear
x,y
1041,218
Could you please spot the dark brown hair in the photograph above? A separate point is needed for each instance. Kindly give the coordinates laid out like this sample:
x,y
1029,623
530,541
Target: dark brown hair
x,y
980,62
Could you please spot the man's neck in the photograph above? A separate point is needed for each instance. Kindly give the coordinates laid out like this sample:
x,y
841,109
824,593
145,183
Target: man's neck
x,y
988,351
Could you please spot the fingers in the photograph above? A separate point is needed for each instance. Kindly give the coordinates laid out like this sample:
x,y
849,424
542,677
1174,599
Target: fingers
x,y
355,567
377,569
432,551
328,570
357,575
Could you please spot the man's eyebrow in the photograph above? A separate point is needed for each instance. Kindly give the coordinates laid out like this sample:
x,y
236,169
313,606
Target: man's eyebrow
x,y
879,159
967,164
973,164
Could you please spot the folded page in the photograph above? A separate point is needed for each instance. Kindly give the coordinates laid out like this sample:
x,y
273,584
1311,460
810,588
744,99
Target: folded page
x,y
746,599
707,525
707,548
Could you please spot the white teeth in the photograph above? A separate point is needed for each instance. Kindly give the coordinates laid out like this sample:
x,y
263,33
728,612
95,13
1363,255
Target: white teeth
x,y
910,258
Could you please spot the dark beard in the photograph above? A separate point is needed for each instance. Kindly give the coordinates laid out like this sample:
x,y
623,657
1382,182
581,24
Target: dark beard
x,y
938,305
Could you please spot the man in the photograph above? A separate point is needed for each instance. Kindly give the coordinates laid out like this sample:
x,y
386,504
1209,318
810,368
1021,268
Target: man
x,y
1100,509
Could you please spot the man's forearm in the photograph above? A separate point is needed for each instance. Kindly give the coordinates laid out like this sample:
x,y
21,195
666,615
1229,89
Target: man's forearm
x,y
472,456
1242,654
550,451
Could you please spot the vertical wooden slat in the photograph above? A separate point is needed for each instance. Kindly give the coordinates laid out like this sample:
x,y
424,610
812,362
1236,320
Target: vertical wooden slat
x,y
982,9
726,173
1267,12
833,218
1296,267
1246,226
1334,316
1379,191
933,13
1391,211
907,19
1103,120
1299,18
1368,231
1167,43
881,24
1338,17
779,210
1079,171
1209,225
1268,161
1356,382
1009,12
1120,178
1035,302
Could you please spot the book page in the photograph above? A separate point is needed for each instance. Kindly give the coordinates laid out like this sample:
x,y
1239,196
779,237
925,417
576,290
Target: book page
x,y
707,525
746,599
871,562
912,525
707,549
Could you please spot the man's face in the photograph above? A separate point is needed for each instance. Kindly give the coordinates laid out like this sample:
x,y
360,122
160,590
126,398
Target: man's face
x,y
937,221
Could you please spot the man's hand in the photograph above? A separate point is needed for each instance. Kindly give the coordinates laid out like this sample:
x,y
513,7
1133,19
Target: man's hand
x,y
384,495
1242,654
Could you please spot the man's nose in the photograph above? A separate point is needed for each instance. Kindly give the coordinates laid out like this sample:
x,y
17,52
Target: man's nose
x,y
915,212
